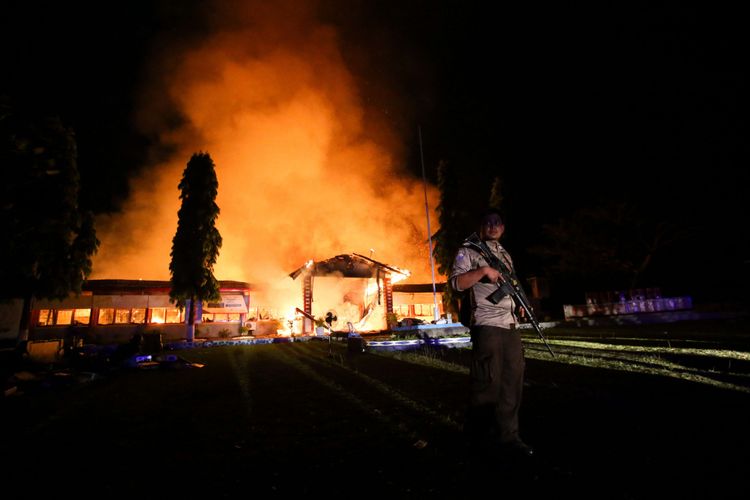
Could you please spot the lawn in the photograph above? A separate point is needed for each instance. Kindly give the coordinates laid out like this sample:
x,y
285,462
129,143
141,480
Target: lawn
x,y
313,418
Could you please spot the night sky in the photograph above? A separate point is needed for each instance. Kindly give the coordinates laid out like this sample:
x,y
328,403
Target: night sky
x,y
571,105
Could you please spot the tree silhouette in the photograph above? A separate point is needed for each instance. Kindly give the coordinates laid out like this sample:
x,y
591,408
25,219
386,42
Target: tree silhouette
x,y
196,244
49,241
605,247
453,216
496,193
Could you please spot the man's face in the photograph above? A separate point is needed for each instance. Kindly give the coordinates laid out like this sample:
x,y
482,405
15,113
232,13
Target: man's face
x,y
492,227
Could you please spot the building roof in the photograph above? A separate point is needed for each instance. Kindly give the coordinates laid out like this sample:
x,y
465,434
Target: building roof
x,y
351,265
418,287
147,287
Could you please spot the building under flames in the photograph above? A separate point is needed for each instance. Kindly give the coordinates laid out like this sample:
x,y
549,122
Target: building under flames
x,y
360,294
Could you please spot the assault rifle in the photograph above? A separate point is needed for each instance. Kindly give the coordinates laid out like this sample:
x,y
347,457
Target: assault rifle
x,y
508,285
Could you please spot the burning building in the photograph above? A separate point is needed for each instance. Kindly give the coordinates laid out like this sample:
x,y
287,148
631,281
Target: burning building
x,y
114,310
352,291
358,291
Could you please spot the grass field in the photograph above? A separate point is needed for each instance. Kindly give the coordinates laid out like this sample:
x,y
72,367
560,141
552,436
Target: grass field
x,y
309,418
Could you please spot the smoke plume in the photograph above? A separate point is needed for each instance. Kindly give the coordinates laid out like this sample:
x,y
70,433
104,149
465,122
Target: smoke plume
x,y
302,173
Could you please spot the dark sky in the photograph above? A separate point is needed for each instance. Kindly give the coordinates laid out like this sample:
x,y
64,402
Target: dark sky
x,y
571,105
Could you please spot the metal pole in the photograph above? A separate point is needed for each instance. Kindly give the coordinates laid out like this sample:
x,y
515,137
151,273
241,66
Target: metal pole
x,y
429,230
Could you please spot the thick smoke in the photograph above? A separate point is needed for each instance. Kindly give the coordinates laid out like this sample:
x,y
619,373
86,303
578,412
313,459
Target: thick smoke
x,y
302,174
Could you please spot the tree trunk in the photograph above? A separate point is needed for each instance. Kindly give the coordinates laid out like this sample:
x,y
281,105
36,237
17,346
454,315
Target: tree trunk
x,y
23,327
190,337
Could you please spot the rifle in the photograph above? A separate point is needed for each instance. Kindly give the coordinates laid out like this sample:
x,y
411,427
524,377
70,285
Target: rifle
x,y
509,285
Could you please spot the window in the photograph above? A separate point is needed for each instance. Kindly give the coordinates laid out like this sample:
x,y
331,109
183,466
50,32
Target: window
x,y
162,315
138,316
64,317
122,316
50,317
45,317
175,315
220,318
82,317
158,315
106,316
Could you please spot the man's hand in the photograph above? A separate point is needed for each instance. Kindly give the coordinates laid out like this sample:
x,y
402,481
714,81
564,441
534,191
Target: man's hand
x,y
492,274
522,313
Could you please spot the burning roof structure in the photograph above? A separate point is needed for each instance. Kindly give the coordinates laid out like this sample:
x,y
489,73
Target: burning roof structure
x,y
351,265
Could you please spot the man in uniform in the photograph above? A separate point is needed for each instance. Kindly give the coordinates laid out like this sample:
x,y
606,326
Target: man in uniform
x,y
497,367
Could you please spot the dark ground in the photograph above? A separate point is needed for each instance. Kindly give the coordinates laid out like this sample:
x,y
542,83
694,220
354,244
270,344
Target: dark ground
x,y
295,418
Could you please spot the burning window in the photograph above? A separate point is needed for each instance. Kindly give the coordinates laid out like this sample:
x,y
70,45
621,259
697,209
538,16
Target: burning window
x,y
159,315
138,316
122,316
82,317
45,317
220,318
162,315
175,316
106,316
50,317
64,317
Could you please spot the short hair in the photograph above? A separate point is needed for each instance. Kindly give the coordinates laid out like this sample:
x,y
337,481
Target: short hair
x,y
492,211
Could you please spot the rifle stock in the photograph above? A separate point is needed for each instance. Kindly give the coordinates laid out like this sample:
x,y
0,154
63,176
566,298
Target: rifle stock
x,y
510,284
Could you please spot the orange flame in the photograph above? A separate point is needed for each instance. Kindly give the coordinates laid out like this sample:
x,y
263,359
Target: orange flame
x,y
301,174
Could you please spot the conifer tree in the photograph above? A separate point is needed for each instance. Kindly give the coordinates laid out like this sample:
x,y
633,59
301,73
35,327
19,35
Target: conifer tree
x,y
196,244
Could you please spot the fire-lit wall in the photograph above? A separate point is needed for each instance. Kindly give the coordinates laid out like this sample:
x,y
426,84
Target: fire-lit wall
x,y
417,305
116,315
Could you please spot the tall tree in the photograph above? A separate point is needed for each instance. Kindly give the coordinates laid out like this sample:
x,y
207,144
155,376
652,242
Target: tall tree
x,y
196,244
49,241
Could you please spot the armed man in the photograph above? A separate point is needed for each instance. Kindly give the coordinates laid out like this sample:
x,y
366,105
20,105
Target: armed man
x,y
497,365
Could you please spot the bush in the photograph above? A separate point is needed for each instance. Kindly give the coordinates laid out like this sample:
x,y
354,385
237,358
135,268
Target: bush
x,y
391,320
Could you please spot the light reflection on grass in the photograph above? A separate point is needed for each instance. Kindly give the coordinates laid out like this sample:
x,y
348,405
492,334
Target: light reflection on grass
x,y
715,353
627,358
674,370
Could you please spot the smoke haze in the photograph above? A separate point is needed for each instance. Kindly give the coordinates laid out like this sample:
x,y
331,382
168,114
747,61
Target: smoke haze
x,y
302,174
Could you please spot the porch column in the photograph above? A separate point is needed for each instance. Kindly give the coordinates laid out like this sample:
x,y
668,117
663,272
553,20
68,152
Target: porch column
x,y
388,293
307,293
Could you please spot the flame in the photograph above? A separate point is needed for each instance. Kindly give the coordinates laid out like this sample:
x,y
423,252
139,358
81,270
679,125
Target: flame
x,y
395,277
303,170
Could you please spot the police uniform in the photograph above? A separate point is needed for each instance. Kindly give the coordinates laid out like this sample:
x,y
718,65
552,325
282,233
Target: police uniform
x,y
497,366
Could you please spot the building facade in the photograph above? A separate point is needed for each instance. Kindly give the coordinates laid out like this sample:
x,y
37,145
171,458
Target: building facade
x,y
114,310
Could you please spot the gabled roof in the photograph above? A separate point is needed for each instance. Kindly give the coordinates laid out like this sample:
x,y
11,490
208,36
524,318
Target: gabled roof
x,y
351,265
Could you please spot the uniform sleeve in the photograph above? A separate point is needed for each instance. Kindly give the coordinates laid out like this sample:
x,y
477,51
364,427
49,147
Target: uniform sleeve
x,y
461,264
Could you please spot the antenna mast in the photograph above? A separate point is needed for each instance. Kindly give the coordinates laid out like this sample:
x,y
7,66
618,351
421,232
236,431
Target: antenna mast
x,y
429,230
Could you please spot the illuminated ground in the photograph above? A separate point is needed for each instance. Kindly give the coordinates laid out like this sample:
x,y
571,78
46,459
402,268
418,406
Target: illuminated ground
x,y
298,418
